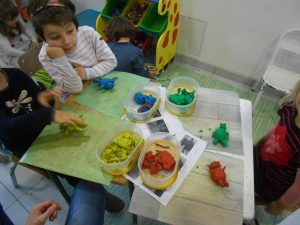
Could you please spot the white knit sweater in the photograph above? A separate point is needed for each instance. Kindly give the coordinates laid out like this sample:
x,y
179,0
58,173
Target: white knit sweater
x,y
92,53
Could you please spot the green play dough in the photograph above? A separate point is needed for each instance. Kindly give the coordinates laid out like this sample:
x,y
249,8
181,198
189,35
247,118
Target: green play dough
x,y
182,97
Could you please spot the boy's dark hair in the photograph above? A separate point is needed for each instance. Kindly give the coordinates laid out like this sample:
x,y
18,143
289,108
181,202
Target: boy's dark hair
x,y
119,27
57,12
8,12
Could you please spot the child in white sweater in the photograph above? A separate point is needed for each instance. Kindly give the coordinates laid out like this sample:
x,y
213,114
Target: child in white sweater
x,y
71,54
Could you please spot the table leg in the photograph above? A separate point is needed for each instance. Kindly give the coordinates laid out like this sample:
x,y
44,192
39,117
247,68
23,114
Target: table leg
x,y
59,185
131,189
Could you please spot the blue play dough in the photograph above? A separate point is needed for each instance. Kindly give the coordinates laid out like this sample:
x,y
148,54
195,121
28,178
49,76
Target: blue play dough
x,y
105,83
141,99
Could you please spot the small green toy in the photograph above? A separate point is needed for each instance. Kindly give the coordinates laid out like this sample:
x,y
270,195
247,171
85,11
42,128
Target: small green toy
x,y
67,128
221,135
183,97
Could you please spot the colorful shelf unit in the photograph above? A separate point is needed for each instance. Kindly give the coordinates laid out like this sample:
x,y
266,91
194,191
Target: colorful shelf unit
x,y
159,19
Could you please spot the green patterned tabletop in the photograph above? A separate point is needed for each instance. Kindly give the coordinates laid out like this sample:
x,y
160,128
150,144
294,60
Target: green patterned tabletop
x,y
72,154
110,102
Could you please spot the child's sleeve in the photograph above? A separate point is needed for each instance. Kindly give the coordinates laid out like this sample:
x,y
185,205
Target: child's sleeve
x,y
62,72
30,123
106,58
28,32
292,196
6,50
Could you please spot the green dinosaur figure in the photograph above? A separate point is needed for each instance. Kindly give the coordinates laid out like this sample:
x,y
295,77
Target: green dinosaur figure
x,y
221,135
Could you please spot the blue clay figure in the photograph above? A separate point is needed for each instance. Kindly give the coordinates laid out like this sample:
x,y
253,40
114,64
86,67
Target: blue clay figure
x,y
105,83
221,135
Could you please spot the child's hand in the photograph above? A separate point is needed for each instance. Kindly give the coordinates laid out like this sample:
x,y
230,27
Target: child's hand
x,y
55,52
63,117
42,212
152,71
275,207
46,96
81,72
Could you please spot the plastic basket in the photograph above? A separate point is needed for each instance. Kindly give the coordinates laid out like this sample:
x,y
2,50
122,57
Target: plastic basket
x,y
153,22
128,12
110,6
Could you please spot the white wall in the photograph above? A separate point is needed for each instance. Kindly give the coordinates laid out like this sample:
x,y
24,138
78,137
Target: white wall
x,y
89,4
239,34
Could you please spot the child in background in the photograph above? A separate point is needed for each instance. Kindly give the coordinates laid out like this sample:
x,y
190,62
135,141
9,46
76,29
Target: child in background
x,y
71,54
15,39
25,110
277,158
129,57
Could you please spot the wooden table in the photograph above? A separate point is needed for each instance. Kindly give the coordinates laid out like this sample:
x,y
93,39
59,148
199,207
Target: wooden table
x,y
199,200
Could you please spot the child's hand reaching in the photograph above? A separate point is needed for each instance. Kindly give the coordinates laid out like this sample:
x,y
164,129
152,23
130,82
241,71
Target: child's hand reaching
x,y
55,52
63,117
275,207
45,97
42,212
152,71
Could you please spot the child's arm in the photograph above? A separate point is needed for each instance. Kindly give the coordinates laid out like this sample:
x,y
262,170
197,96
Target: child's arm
x,y
59,68
6,50
30,123
106,58
31,35
33,122
289,199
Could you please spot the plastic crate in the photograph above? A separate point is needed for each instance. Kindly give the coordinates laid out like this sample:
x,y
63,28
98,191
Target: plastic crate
x,y
129,12
111,5
153,22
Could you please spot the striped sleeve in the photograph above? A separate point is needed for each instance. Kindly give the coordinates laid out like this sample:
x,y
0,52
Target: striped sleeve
x,y
61,71
106,58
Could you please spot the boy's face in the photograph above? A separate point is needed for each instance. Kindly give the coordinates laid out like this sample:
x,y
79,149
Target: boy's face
x,y
63,36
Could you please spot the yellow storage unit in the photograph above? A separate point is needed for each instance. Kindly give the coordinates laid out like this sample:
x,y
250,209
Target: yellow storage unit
x,y
160,21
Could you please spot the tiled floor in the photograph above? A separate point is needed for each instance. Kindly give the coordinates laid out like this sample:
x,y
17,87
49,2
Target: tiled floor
x,y
17,202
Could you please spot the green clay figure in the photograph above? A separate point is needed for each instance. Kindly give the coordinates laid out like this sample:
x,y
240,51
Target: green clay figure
x,y
221,135
183,97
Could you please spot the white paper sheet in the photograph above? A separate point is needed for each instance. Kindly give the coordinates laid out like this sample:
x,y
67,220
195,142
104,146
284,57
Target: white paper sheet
x,y
192,148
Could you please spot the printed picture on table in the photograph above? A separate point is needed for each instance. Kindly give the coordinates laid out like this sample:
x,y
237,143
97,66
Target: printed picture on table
x,y
181,163
187,143
159,193
158,126
157,114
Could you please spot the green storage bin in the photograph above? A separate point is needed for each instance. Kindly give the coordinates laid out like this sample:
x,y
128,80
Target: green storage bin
x,y
153,22
112,5
142,6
